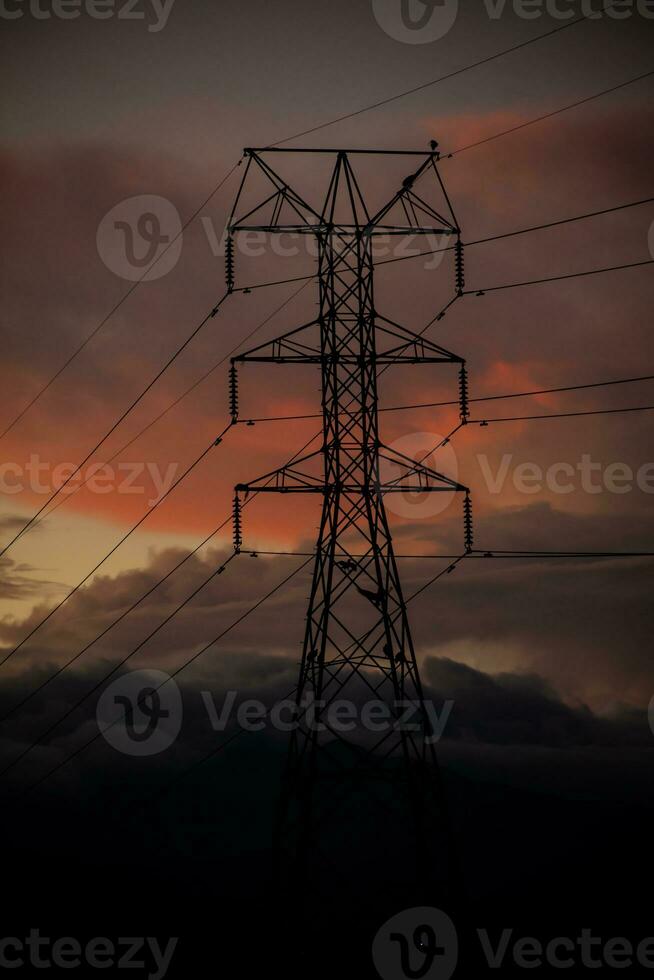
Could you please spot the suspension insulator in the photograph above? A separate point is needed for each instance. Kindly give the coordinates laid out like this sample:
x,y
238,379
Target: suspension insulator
x,y
464,400
237,526
467,522
459,264
229,264
233,393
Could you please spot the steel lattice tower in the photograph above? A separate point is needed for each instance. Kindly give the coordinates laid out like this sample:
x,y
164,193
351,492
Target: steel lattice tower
x,y
357,629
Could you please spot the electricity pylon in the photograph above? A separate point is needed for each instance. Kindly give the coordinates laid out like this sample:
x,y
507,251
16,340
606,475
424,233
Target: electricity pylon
x,y
357,628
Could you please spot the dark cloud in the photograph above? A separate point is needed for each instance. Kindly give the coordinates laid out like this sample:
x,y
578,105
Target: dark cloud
x,y
583,625
11,523
531,610
524,710
24,582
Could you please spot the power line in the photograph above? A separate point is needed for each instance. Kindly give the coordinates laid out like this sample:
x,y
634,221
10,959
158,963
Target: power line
x,y
527,418
524,554
523,231
128,611
242,731
171,677
180,398
118,545
435,81
437,577
305,280
462,149
550,115
561,554
115,425
118,665
120,302
215,751
311,554
476,553
447,404
218,186
525,394
479,241
563,415
161,581
195,213
562,221
571,275
79,585
115,622
439,316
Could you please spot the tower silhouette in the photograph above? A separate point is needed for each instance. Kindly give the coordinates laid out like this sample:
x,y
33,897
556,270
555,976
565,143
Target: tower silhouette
x,y
345,784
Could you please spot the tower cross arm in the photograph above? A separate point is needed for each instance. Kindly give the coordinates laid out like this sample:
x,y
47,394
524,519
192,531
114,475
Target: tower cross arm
x,y
428,480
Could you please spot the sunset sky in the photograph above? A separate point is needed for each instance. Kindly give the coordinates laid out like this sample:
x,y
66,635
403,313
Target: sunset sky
x,y
97,112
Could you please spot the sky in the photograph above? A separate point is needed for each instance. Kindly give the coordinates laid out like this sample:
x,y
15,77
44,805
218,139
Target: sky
x,y
157,107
